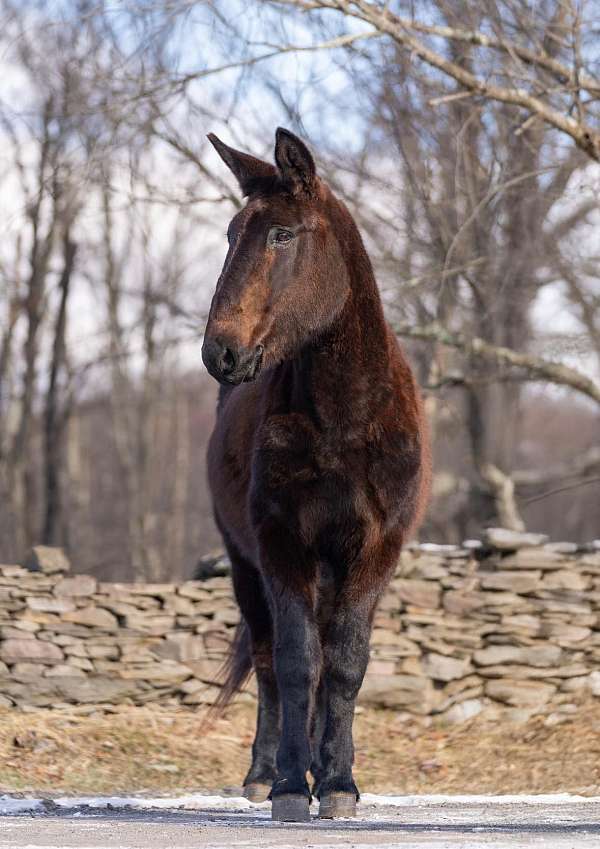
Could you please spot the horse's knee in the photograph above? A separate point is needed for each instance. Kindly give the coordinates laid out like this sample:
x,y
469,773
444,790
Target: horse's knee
x,y
346,679
297,672
345,659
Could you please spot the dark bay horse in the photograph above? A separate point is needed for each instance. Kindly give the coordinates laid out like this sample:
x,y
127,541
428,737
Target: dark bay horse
x,y
318,467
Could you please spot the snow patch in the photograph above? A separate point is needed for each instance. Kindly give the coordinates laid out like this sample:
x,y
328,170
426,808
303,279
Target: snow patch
x,y
201,802
190,802
12,805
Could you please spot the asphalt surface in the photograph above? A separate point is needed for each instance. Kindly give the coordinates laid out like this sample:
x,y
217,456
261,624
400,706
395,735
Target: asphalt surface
x,y
426,824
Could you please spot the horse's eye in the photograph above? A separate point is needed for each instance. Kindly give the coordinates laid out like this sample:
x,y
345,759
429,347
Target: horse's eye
x,y
279,236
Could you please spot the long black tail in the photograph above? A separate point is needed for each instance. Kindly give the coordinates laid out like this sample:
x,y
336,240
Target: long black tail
x,y
236,669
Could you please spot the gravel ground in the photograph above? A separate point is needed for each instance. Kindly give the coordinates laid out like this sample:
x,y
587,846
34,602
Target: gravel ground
x,y
552,822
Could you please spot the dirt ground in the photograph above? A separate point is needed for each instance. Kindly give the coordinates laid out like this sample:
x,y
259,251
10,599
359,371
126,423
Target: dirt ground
x,y
168,751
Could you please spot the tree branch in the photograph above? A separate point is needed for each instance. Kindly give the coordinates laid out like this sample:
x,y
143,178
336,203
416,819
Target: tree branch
x,y
402,32
579,466
540,368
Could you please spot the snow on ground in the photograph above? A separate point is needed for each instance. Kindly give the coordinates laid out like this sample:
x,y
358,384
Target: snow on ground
x,y
201,801
12,805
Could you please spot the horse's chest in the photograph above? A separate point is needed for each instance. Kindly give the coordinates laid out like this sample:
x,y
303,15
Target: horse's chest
x,y
293,454
314,482
323,484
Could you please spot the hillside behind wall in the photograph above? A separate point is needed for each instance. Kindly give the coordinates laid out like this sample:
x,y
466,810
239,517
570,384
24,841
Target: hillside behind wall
x,y
508,622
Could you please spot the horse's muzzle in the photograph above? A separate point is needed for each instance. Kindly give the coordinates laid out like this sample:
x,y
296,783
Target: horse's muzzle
x,y
229,363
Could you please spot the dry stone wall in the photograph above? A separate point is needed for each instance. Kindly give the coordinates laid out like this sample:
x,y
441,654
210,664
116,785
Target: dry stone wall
x,y
511,621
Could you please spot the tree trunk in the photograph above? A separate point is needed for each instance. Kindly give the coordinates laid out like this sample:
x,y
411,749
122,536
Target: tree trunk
x,y
54,421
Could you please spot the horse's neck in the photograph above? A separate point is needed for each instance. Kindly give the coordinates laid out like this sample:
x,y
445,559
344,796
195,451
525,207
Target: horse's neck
x,y
341,375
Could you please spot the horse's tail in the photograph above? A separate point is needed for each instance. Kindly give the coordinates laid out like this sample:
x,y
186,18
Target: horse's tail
x,y
236,669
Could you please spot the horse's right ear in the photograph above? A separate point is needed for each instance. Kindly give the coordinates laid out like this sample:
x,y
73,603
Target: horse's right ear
x,y
248,170
295,163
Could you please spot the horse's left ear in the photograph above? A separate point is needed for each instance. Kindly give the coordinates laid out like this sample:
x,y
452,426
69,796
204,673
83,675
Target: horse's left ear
x,y
295,163
248,170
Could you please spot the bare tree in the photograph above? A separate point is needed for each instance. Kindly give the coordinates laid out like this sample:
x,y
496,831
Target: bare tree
x,y
56,417
472,116
458,135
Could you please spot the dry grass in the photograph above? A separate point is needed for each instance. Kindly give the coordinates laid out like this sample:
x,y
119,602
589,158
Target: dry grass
x,y
168,750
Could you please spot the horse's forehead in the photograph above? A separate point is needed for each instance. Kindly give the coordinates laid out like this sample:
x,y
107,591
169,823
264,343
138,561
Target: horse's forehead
x,y
276,210
241,218
281,208
254,209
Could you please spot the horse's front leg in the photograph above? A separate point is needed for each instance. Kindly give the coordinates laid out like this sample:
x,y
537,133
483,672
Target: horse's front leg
x,y
345,659
290,576
318,728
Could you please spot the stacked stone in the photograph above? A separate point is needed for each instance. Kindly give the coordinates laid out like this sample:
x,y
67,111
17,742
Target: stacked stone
x,y
512,621
71,640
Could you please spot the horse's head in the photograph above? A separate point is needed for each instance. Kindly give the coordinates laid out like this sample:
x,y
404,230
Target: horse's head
x,y
284,281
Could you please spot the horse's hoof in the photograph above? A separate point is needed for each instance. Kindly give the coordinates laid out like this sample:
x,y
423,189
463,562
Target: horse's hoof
x,y
290,807
257,792
337,805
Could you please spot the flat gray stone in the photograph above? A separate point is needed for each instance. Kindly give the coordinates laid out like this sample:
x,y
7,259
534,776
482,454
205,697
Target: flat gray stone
x,y
140,588
20,629
180,646
513,581
167,671
527,672
566,579
93,689
206,695
12,571
152,624
64,670
47,559
418,593
442,668
92,617
410,691
26,671
463,711
520,693
43,604
563,631
534,558
562,547
78,585
103,652
544,655
227,615
507,540
35,651
179,605
207,670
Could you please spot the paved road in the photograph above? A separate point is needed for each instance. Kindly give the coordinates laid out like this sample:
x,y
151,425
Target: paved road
x,y
421,823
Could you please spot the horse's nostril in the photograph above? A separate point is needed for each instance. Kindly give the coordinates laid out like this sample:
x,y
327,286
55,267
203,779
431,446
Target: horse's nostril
x,y
228,361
